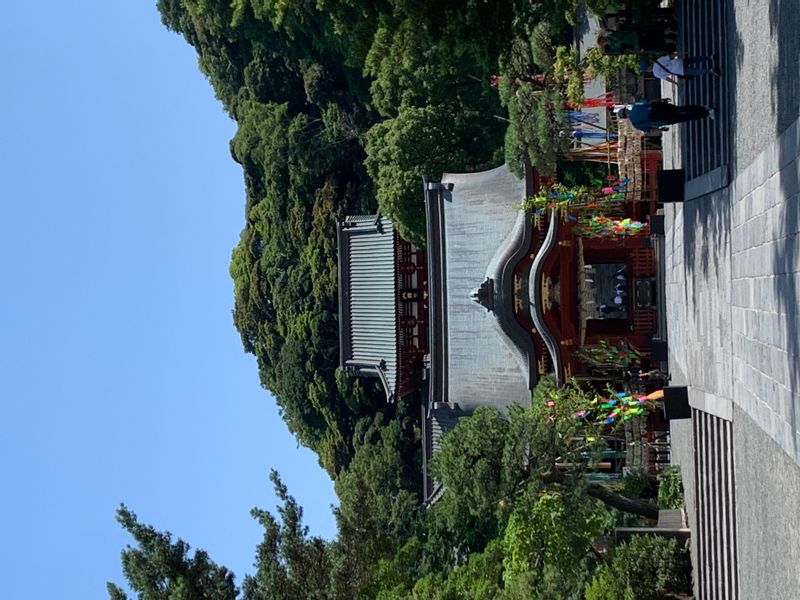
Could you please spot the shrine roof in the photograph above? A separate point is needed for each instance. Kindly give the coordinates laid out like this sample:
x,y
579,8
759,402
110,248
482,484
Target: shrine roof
x,y
476,231
367,297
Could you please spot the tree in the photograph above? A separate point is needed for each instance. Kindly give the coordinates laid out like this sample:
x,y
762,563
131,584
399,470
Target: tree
x,y
379,500
425,141
470,465
538,126
290,564
648,567
549,434
537,448
159,568
549,539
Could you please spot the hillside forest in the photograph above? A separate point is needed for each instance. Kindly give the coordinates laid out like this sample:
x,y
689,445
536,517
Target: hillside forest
x,y
342,106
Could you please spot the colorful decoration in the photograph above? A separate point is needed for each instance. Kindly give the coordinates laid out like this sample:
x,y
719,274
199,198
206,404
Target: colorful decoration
x,y
578,200
605,100
618,407
623,407
609,354
607,227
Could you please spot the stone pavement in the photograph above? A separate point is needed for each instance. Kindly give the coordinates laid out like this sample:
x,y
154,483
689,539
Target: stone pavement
x,y
733,286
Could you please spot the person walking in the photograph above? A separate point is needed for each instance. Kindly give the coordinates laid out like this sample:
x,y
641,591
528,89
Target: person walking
x,y
646,115
670,67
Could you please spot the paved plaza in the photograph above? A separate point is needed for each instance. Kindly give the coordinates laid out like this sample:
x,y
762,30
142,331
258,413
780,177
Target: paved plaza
x,y
732,254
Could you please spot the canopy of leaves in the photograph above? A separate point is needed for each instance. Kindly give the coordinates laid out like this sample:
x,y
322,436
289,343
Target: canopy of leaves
x,y
379,503
646,568
342,107
159,568
289,563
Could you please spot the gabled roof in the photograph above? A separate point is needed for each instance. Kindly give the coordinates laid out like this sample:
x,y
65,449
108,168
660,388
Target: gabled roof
x,y
477,230
367,299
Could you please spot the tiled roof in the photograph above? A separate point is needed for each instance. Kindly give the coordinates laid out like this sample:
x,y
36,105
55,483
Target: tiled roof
x,y
475,225
367,299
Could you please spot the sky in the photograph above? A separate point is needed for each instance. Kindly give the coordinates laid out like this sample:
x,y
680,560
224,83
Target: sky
x,y
122,378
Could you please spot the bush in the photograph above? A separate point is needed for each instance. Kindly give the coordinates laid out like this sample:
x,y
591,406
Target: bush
x,y
647,568
596,63
542,49
606,585
670,488
573,173
639,484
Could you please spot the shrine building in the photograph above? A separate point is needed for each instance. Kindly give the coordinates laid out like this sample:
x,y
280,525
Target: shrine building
x,y
499,296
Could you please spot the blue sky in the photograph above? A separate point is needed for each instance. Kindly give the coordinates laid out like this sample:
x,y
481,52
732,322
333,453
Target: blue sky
x,y
122,377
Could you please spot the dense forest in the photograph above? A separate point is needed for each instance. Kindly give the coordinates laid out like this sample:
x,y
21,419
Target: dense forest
x,y
342,106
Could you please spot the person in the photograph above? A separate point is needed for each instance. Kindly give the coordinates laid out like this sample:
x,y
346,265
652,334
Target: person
x,y
670,67
608,309
646,115
633,39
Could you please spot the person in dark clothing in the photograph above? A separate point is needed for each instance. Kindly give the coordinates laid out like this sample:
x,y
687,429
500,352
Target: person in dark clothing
x,y
633,39
609,309
646,115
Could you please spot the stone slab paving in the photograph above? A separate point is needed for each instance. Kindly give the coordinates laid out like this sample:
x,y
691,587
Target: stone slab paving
x,y
733,283
767,515
733,286
765,287
733,295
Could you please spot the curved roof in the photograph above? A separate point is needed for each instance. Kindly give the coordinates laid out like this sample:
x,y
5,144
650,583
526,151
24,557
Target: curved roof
x,y
475,228
534,283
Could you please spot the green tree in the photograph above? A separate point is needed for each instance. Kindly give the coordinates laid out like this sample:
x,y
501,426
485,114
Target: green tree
x,y
477,498
537,448
158,568
648,567
425,141
548,542
290,564
379,500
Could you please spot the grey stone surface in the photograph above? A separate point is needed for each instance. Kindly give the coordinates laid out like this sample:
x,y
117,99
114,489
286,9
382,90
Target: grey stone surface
x,y
733,266
733,283
682,454
767,516
733,295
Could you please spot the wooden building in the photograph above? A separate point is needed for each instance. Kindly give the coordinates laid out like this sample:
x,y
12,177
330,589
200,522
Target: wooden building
x,y
382,304
498,297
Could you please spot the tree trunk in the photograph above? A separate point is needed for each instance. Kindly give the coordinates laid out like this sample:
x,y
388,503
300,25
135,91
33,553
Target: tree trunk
x,y
606,494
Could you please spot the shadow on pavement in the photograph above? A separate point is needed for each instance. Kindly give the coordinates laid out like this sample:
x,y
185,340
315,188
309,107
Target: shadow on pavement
x,y
785,92
706,144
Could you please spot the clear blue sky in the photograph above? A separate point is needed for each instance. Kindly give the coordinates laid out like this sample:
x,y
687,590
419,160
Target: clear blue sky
x,y
122,377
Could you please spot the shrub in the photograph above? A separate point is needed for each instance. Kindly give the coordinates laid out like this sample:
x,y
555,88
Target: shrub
x,y
647,568
670,488
639,484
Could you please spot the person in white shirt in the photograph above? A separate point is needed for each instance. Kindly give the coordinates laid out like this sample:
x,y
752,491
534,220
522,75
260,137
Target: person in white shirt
x,y
671,67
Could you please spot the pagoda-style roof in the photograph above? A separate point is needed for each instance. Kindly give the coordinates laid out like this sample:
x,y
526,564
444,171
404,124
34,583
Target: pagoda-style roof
x,y
477,233
368,331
